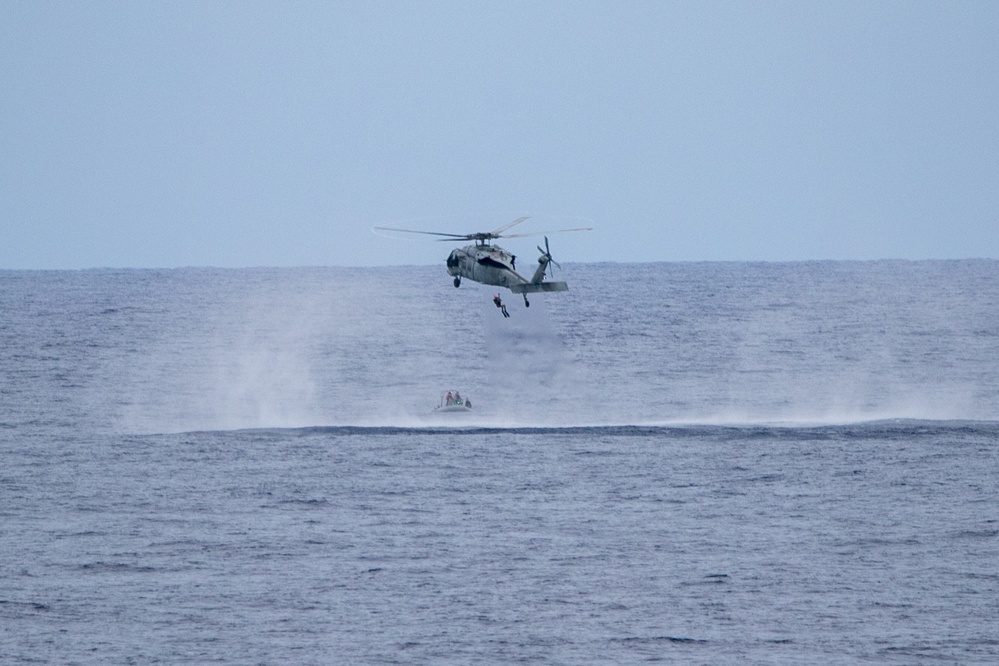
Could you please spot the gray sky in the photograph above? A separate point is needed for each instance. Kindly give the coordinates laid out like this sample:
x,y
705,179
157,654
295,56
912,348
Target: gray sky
x,y
160,134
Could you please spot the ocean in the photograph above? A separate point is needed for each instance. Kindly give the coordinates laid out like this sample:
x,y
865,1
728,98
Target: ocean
x,y
691,463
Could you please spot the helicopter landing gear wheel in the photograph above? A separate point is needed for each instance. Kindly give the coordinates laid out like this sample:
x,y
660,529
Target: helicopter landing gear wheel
x,y
527,303
457,282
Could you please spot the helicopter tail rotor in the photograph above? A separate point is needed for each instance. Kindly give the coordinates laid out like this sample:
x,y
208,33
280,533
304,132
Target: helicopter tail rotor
x,y
544,261
546,256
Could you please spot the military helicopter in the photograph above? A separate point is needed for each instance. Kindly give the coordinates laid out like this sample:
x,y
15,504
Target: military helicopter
x,y
492,265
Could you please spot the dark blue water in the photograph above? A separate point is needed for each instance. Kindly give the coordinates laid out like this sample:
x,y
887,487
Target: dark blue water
x,y
693,463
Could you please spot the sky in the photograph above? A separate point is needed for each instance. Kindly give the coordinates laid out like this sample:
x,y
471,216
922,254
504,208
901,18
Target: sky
x,y
206,133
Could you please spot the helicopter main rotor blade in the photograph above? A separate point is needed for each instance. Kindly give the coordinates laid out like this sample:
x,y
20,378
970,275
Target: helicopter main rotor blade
x,y
553,231
498,230
481,236
427,233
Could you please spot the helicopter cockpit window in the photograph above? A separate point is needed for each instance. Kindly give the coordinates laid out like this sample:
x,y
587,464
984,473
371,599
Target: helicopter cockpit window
x,y
452,260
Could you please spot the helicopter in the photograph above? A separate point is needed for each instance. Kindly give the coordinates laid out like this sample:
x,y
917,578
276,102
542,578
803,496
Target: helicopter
x,y
490,264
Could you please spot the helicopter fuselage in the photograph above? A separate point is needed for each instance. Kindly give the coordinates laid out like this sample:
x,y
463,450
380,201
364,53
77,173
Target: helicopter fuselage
x,y
488,264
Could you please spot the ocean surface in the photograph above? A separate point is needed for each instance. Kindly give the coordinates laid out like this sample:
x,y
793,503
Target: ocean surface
x,y
699,463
